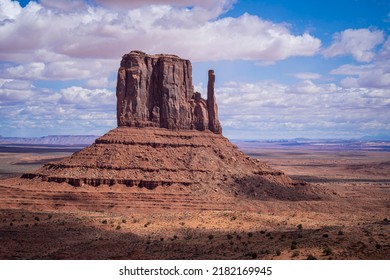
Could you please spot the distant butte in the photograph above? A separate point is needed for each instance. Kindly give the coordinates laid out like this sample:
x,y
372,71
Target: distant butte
x,y
168,135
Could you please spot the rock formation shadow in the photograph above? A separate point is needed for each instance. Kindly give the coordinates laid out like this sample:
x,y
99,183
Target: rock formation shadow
x,y
271,187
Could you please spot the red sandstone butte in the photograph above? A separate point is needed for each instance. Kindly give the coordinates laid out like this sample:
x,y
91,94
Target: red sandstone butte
x,y
167,135
157,91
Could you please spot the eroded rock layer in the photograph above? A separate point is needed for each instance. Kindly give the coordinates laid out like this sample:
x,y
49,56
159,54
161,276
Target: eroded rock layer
x,y
151,157
168,135
157,91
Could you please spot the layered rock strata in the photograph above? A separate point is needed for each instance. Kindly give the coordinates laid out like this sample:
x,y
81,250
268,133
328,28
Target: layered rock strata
x,y
168,135
157,91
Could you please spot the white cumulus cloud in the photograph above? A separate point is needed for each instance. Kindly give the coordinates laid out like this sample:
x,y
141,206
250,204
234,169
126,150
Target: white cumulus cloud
x,y
98,32
357,42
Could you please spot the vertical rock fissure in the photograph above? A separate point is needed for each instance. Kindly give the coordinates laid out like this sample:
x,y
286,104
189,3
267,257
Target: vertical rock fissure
x,y
157,91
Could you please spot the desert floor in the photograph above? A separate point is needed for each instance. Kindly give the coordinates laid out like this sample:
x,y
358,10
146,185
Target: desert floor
x,y
44,221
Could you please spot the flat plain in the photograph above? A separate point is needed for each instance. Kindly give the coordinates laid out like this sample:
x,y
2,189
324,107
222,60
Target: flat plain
x,y
39,220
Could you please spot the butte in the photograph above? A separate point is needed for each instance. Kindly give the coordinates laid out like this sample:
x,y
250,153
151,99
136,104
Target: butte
x,y
169,138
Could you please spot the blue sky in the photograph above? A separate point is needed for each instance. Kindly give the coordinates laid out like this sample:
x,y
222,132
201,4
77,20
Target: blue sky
x,y
284,69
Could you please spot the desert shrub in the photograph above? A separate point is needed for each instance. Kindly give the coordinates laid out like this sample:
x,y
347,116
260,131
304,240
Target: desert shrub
x,y
233,218
311,257
278,253
250,234
36,219
378,246
294,245
50,216
325,235
340,232
229,236
118,227
253,255
188,237
327,251
295,253
262,231
147,224
124,221
268,234
104,222
210,236
300,226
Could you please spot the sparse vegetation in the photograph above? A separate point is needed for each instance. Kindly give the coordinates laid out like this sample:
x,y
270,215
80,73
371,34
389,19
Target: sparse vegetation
x,y
300,227
147,224
278,253
210,236
124,221
253,255
36,219
311,257
250,234
294,245
325,235
327,251
104,222
295,254
340,232
118,227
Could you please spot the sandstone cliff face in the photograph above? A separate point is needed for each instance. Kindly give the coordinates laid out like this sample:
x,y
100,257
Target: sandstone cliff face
x,y
157,91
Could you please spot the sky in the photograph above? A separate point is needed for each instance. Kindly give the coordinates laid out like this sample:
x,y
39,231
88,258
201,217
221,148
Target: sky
x,y
284,69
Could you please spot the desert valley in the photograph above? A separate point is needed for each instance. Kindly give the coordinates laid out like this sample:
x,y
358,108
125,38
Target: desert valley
x,y
165,184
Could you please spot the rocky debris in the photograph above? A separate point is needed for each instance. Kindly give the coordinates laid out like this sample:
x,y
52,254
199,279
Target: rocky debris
x,y
157,91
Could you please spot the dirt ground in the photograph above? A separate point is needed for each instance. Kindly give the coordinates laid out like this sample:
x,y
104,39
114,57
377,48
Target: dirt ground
x,y
39,220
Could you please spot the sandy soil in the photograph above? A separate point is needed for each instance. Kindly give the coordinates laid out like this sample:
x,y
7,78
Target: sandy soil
x,y
39,220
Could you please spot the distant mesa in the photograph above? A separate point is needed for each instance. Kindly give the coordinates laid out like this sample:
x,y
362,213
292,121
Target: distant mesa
x,y
168,135
157,91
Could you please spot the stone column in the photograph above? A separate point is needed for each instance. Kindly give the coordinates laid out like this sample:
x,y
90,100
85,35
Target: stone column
x,y
214,124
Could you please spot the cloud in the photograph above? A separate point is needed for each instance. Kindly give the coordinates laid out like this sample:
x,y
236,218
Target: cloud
x,y
101,33
357,42
59,70
274,110
9,10
63,5
206,4
38,111
374,75
87,98
306,75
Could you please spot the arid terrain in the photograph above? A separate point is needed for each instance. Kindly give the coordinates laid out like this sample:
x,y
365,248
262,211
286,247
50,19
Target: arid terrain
x,y
42,220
